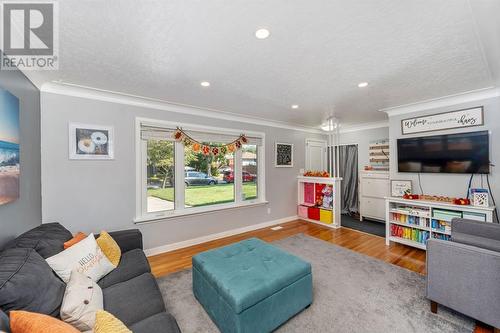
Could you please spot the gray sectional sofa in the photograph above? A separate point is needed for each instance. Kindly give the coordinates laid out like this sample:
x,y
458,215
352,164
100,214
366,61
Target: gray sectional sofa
x,y
130,291
464,274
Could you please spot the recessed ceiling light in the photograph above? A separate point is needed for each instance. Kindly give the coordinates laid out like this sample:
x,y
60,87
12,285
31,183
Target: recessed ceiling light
x,y
262,33
363,84
205,84
295,106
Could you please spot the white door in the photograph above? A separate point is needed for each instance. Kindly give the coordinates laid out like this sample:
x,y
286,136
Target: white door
x,y
315,154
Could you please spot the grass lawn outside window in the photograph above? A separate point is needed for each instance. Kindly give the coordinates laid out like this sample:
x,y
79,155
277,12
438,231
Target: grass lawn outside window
x,y
196,196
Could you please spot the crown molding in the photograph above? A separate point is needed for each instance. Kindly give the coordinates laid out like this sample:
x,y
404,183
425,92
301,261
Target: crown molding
x,y
465,97
75,90
363,127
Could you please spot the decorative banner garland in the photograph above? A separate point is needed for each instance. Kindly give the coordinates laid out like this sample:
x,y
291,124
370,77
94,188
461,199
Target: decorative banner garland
x,y
180,136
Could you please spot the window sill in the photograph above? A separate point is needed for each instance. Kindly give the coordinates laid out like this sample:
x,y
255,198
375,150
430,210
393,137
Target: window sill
x,y
155,217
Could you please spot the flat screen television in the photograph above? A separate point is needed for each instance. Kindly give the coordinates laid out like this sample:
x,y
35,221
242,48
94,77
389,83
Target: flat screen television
x,y
453,153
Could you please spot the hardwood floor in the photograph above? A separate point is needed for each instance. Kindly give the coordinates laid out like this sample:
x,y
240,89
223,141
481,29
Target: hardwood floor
x,y
370,245
374,246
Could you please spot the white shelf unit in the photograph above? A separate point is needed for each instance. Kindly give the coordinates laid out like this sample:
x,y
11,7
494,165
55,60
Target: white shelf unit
x,y
424,212
335,209
374,186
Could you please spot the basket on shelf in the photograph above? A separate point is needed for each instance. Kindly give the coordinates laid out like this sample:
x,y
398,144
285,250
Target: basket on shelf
x,y
480,199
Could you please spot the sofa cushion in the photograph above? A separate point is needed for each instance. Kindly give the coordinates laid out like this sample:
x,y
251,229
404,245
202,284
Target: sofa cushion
x,y
132,263
85,256
28,283
109,247
47,239
77,238
160,323
82,299
105,322
4,322
478,241
32,322
134,300
128,239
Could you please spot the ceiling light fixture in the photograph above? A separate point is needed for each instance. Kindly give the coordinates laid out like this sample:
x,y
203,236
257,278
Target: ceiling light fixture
x,y
205,84
363,85
295,106
262,33
330,124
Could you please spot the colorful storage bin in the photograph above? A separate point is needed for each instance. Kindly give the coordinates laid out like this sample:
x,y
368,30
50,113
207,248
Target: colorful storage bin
x,y
325,216
446,215
318,188
313,213
302,211
309,193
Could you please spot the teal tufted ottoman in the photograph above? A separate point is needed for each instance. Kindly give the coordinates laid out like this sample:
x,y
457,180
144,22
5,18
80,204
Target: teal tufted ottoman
x,y
251,286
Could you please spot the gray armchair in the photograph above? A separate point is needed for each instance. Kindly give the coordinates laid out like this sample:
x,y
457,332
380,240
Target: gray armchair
x,y
464,274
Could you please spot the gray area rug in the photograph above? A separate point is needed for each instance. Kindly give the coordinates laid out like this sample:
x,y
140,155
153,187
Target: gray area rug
x,y
352,293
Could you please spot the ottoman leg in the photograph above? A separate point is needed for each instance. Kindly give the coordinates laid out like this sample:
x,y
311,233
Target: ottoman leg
x,y
434,307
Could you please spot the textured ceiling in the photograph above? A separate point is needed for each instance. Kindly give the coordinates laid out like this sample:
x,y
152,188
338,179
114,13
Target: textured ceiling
x,y
318,51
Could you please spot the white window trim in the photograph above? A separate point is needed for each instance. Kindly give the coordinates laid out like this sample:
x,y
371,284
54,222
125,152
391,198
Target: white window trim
x,y
142,216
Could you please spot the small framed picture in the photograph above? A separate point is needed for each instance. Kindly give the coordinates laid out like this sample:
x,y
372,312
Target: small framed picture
x,y
91,142
400,187
283,155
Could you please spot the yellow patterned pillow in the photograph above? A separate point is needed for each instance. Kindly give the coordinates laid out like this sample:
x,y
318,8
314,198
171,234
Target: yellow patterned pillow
x,y
105,322
109,247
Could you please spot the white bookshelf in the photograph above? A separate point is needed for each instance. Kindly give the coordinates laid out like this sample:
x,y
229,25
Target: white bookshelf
x,y
335,209
400,212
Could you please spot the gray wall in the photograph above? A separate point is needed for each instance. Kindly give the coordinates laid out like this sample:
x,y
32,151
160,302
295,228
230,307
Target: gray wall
x,y
452,184
363,139
25,213
93,195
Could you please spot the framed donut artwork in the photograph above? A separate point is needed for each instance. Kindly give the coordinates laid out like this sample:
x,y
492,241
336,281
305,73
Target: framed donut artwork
x,y
91,142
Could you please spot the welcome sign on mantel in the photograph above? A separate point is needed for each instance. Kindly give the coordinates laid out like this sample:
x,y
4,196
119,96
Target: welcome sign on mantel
x,y
443,121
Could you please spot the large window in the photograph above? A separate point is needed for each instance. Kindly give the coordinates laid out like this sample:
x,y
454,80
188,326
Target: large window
x,y
250,166
160,176
204,178
174,179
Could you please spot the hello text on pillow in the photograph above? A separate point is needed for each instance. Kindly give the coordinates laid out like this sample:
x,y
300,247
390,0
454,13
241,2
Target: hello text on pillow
x,y
85,256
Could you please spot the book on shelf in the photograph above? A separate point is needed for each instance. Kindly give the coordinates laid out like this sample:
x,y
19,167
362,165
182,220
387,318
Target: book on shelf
x,y
416,235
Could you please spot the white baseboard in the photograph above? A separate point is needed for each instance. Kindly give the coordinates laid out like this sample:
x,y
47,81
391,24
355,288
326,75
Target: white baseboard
x,y
195,241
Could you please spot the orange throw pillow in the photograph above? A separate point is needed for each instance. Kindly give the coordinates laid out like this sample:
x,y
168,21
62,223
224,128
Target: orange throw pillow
x,y
31,322
78,237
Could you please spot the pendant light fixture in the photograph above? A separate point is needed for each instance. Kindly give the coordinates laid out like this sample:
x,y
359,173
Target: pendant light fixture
x,y
331,126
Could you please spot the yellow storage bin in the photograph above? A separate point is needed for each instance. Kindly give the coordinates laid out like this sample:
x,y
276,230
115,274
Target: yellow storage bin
x,y
325,216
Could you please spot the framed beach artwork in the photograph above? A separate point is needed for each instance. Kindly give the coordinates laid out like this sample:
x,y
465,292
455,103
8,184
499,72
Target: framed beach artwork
x,y
9,147
91,142
283,155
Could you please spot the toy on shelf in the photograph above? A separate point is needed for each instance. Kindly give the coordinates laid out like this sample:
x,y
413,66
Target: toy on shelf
x,y
315,173
410,196
437,198
319,193
461,201
327,197
426,197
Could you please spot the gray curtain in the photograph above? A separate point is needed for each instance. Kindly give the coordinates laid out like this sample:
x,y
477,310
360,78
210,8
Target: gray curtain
x,y
348,170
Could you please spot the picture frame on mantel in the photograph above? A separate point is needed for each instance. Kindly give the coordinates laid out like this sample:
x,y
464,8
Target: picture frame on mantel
x,y
464,118
283,155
